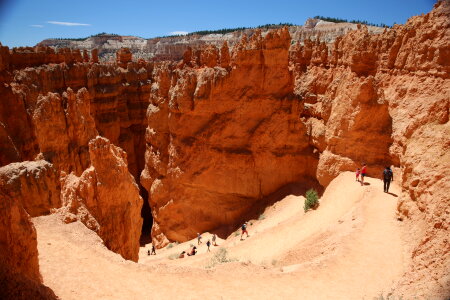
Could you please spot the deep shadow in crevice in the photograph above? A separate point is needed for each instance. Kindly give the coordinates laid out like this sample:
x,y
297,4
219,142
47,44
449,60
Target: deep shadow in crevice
x,y
146,214
294,188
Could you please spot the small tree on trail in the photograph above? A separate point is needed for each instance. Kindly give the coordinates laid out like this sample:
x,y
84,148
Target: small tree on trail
x,y
312,200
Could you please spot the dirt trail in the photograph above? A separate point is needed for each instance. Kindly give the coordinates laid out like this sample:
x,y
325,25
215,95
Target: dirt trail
x,y
349,248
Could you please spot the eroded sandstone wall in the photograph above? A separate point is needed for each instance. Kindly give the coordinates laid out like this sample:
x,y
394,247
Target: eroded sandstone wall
x,y
384,99
26,188
34,184
54,104
223,134
118,99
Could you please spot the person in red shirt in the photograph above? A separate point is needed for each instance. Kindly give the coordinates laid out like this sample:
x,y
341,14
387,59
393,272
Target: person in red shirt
x,y
363,173
358,172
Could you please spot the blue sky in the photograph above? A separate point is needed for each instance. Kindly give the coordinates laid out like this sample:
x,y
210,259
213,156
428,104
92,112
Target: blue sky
x,y
27,22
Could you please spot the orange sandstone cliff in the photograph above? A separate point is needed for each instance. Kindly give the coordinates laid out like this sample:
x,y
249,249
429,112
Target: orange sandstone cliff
x,y
219,135
227,133
223,135
53,107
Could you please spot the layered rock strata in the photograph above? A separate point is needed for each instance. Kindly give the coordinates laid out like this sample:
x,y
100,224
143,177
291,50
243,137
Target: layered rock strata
x,y
118,98
173,47
54,104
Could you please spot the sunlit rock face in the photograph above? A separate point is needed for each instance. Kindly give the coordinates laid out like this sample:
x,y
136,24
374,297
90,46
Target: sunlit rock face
x,y
224,130
223,134
106,199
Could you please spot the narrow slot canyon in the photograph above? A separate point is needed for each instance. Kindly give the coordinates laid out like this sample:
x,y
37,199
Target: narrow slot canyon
x,y
146,214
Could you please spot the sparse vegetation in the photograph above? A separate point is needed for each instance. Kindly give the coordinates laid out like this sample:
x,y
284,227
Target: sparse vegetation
x,y
261,217
85,38
228,30
339,20
312,199
220,257
236,233
387,297
274,262
169,246
173,256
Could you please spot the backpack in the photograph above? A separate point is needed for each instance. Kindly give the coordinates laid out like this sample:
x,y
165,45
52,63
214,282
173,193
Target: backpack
x,y
244,227
387,174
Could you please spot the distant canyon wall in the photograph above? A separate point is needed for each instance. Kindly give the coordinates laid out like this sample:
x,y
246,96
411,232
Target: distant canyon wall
x,y
173,47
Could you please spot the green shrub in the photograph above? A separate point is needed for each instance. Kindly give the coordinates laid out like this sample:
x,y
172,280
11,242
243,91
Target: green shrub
x,y
220,257
312,199
169,246
262,217
173,256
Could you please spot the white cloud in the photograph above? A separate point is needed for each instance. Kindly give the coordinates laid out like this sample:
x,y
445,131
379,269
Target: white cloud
x,y
38,26
178,33
67,23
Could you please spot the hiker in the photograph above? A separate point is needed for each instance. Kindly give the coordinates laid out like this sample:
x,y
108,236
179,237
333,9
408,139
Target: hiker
x,y
244,230
208,243
358,172
153,249
214,240
193,251
388,176
182,254
363,173
199,238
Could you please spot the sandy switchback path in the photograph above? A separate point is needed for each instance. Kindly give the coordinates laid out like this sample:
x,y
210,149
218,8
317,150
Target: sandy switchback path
x,y
349,248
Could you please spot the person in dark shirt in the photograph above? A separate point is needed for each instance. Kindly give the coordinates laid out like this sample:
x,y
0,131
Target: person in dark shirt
x,y
388,176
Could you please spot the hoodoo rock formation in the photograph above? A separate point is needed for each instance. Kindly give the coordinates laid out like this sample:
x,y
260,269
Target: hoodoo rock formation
x,y
216,136
106,199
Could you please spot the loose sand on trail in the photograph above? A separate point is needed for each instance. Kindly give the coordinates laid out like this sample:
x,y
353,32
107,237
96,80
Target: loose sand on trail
x,y
351,247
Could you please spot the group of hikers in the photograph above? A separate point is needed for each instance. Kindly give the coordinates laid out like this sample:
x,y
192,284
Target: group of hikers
x,y
193,250
208,243
387,176
361,173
